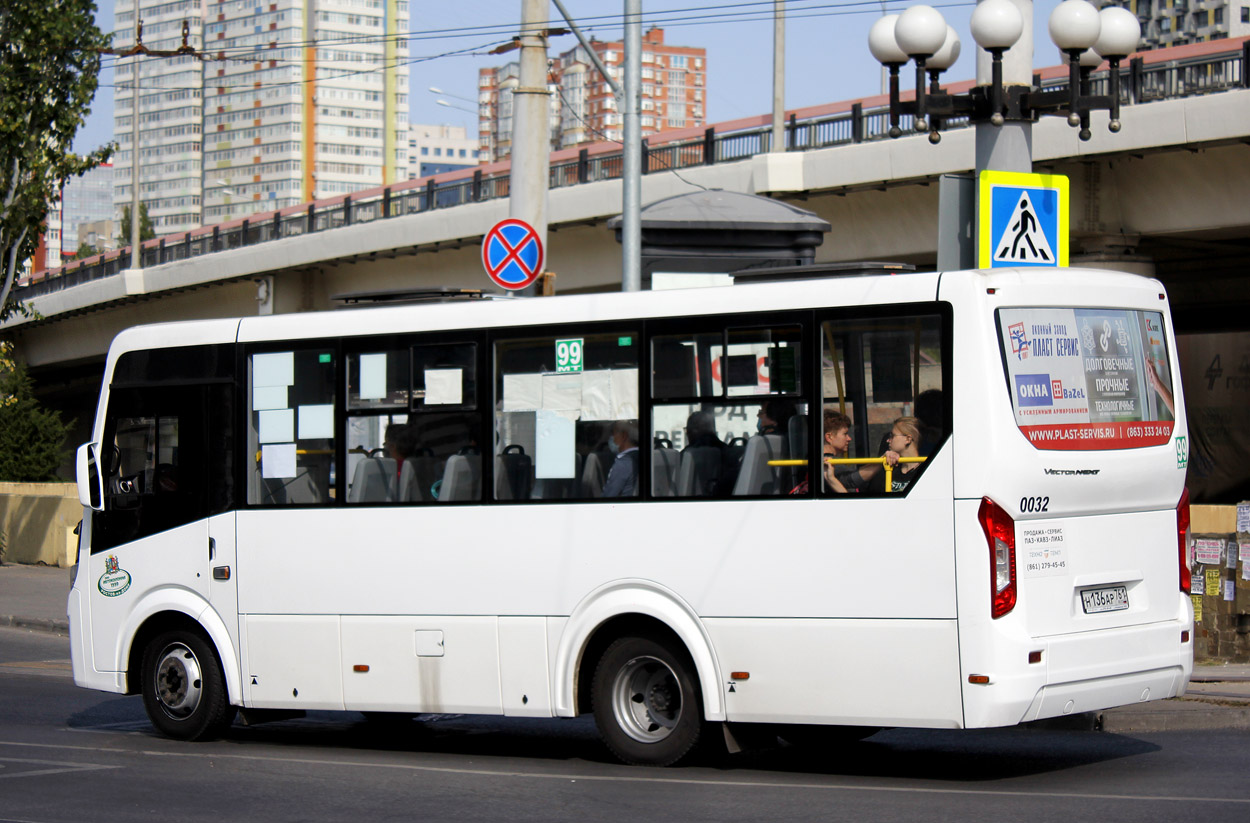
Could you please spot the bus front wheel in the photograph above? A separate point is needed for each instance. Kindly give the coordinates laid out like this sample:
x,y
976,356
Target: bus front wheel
x,y
184,691
646,701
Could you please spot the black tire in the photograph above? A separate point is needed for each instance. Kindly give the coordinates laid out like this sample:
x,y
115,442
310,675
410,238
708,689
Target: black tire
x,y
184,691
646,701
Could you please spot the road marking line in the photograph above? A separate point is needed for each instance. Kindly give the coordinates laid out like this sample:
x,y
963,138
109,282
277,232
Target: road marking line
x,y
679,781
63,767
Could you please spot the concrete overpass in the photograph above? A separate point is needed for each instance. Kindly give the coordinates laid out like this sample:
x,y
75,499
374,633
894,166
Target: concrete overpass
x,y
1165,196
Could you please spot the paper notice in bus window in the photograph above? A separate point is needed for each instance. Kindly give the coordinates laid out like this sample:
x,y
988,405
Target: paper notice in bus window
x,y
269,397
373,376
443,387
277,460
316,422
624,394
277,426
277,369
597,395
522,392
1088,378
562,392
555,451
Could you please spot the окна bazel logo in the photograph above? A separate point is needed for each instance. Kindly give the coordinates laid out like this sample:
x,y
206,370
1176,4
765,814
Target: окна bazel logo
x,y
115,579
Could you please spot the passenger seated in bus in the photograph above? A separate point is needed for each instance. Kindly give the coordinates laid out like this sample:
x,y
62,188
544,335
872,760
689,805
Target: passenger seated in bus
x,y
835,443
396,443
623,476
904,441
774,416
701,431
709,472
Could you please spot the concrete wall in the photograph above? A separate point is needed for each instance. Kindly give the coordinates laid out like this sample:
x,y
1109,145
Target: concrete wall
x,y
38,521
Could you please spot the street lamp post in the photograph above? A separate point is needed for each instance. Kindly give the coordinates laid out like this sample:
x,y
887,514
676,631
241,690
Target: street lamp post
x,y
1004,105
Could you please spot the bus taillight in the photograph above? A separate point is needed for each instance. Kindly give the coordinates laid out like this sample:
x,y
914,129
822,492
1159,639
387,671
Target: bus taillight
x,y
1182,545
1000,534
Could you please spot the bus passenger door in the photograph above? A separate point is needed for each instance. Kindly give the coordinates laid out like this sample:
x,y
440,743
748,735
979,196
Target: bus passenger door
x,y
167,528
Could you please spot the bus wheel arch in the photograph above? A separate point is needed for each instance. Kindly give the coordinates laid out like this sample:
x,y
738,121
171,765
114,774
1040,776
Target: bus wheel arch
x,y
176,608
631,609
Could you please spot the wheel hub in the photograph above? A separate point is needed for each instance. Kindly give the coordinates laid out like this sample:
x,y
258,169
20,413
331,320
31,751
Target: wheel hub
x,y
178,681
647,699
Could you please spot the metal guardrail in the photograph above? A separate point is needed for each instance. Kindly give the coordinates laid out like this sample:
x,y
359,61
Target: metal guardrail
x,y
1140,83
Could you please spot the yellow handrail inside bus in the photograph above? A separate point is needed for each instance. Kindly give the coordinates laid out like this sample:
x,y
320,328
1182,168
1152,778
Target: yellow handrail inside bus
x,y
856,461
304,451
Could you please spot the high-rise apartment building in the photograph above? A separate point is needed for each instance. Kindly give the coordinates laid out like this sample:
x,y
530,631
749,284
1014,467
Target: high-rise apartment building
x,y
294,100
436,149
494,107
584,110
85,200
1177,22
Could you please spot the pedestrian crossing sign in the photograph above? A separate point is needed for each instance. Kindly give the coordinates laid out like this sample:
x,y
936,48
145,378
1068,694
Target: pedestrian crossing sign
x,y
1023,220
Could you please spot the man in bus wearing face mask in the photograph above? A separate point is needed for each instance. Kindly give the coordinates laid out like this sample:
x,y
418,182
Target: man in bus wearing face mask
x,y
623,476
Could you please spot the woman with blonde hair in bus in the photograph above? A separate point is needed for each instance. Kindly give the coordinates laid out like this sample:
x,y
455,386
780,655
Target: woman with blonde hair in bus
x,y
904,441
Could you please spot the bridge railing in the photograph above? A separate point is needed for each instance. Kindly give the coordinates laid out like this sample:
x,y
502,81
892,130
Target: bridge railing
x,y
1141,82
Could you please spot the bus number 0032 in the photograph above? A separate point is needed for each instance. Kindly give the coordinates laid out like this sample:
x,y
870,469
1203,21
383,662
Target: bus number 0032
x,y
1034,504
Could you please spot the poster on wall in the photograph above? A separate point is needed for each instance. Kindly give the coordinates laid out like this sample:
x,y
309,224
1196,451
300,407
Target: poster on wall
x,y
1215,371
1088,378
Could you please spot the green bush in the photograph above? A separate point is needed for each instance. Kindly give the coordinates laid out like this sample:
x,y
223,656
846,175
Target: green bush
x,y
32,438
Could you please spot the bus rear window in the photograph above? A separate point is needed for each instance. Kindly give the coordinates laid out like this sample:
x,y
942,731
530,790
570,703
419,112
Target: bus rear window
x,y
1084,379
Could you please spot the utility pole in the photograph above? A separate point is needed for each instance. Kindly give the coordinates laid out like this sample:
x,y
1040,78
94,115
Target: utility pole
x,y
135,256
531,124
779,76
137,50
631,199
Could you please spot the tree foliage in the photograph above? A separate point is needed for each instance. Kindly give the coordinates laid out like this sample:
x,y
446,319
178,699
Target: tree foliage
x,y
146,232
49,68
32,438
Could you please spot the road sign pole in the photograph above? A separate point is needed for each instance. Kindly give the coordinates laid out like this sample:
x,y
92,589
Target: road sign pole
x,y
531,143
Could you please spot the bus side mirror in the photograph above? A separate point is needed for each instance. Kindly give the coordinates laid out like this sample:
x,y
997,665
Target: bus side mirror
x,y
90,480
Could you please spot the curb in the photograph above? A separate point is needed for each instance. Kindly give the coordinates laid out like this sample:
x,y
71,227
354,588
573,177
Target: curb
x,y
35,623
1176,715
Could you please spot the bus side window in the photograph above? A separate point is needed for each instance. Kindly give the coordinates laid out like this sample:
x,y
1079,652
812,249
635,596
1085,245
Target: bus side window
x,y
291,426
559,399
728,401
882,375
168,449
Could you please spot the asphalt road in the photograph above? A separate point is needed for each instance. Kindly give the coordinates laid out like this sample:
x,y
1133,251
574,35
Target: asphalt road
x,y
72,755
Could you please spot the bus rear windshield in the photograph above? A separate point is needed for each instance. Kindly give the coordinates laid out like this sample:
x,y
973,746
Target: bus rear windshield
x,y
1084,379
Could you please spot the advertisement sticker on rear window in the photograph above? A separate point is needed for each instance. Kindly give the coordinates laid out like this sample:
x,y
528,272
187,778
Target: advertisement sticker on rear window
x,y
1088,378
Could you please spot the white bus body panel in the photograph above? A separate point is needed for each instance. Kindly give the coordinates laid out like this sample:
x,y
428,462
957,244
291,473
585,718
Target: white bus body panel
x,y
379,562
1114,510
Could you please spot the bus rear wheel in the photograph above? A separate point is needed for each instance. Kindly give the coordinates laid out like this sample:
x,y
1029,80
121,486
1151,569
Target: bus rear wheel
x,y
646,701
184,692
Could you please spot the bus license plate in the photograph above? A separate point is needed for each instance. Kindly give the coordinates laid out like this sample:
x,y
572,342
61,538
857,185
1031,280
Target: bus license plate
x,y
1109,599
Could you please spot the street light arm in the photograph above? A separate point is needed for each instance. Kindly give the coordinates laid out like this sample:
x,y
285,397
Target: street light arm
x,y
617,91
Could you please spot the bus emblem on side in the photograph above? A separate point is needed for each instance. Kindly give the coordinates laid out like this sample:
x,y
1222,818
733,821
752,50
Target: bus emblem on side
x,y
115,580
1182,452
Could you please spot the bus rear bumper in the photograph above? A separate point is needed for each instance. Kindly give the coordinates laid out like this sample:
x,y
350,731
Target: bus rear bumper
x,y
1086,672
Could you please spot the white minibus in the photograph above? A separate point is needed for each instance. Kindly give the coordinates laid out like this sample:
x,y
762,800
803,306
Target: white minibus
x,y
621,504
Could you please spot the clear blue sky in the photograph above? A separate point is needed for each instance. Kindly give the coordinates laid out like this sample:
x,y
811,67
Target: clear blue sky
x,y
827,56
